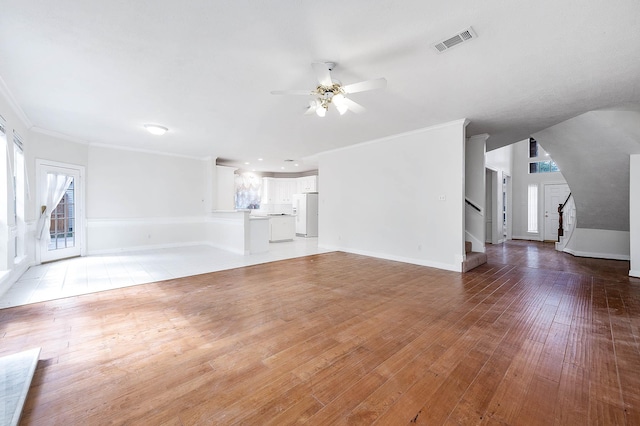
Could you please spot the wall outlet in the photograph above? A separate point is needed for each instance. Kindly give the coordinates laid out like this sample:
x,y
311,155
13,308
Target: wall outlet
x,y
442,198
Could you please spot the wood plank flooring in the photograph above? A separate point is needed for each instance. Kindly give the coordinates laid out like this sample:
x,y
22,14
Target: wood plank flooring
x,y
532,337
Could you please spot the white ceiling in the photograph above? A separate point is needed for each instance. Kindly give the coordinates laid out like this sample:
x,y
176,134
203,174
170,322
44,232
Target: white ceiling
x,y
96,71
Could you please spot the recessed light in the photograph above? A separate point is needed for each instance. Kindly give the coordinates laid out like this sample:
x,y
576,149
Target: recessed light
x,y
282,168
296,164
259,159
247,163
156,129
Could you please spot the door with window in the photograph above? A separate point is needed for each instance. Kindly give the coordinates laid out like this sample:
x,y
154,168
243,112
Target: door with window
x,y
554,195
60,226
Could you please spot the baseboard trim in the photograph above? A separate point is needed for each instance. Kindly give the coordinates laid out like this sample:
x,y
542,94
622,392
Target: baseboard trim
x,y
611,256
527,238
635,274
121,222
386,256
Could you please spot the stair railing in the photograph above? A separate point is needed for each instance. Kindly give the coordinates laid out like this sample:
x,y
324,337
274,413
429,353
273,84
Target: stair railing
x,y
560,225
472,205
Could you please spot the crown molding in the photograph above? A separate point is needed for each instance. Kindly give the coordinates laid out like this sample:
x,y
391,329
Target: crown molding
x,y
147,151
15,106
58,135
68,138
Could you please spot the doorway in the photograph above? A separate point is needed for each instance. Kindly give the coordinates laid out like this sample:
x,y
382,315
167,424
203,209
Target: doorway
x,y
60,226
506,207
489,205
554,195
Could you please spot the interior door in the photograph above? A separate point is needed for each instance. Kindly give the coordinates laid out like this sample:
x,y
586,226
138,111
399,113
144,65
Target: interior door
x,y
554,195
62,230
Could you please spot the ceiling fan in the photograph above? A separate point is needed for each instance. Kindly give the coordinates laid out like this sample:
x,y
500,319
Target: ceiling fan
x,y
331,91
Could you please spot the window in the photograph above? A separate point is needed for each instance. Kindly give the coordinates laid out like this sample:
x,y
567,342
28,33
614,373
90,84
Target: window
x,y
18,194
533,148
248,190
532,210
3,175
543,167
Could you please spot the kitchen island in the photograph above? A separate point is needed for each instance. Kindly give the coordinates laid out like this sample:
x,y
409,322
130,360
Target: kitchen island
x,y
282,227
237,231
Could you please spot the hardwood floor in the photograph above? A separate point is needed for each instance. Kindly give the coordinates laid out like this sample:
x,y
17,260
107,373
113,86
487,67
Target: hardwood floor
x,y
532,337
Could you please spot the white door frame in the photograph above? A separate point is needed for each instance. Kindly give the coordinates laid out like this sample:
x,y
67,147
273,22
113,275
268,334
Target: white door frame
x,y
507,188
493,186
42,166
488,205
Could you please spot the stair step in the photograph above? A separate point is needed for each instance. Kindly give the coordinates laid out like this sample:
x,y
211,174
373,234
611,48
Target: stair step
x,y
16,373
474,259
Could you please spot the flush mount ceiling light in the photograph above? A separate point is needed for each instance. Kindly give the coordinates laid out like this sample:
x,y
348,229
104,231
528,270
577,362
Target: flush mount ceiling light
x,y
156,129
331,91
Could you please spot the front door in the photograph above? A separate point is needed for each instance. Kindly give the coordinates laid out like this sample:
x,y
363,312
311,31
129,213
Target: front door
x,y
554,195
61,228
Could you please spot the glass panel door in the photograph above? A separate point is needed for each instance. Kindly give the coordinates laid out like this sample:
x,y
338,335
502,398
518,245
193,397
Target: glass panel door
x,y
62,225
62,234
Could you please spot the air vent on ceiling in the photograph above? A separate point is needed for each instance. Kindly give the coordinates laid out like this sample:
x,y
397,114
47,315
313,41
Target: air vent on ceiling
x,y
464,35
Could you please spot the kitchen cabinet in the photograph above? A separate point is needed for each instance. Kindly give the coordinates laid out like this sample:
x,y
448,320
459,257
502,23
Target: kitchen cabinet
x,y
307,184
281,228
268,190
281,190
285,189
278,190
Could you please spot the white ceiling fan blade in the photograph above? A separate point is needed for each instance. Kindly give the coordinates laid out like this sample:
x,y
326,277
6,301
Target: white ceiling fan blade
x,y
313,105
353,106
322,73
377,83
292,92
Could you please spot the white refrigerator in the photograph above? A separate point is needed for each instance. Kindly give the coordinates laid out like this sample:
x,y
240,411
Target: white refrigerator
x,y
305,209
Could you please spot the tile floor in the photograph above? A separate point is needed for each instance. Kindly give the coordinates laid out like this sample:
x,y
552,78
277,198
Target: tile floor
x,y
82,275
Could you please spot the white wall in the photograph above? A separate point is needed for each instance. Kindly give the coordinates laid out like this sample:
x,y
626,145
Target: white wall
x,y
500,159
226,188
475,191
599,243
383,198
137,199
634,209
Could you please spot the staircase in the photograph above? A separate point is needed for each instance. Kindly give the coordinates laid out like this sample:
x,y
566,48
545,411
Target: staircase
x,y
473,258
16,373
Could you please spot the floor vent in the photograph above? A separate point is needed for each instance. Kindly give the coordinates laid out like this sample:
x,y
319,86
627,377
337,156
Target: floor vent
x,y
464,35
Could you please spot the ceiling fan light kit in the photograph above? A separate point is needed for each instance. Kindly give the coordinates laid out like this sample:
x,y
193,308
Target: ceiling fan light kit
x,y
333,92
